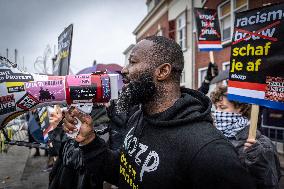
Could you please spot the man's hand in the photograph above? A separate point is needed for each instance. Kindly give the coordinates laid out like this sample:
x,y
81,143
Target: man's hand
x,y
86,132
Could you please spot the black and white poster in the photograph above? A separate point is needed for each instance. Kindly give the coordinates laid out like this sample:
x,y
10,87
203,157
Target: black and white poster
x,y
61,65
6,75
256,66
208,29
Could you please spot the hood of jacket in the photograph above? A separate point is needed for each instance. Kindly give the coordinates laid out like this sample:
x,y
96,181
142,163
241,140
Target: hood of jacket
x,y
193,106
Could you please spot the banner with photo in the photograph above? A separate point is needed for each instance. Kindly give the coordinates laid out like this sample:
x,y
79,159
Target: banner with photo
x,y
256,66
62,63
208,30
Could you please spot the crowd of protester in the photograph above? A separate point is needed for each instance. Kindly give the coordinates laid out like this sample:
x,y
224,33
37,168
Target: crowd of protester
x,y
160,135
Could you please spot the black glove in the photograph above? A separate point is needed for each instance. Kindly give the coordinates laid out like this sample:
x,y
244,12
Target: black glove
x,y
215,70
209,75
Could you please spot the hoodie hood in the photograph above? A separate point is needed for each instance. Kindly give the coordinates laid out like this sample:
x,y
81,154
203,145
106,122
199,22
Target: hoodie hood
x,y
191,107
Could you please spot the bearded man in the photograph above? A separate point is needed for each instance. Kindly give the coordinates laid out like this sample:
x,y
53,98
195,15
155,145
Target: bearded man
x,y
171,142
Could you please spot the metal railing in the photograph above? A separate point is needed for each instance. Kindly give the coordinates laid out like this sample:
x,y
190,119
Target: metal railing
x,y
274,133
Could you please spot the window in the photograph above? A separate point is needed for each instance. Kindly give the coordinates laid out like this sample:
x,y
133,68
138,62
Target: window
x,y
181,31
227,12
182,77
226,66
201,75
203,2
160,31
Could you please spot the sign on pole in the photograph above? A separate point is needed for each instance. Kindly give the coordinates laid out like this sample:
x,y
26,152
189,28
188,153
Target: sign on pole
x,y
208,30
257,60
62,63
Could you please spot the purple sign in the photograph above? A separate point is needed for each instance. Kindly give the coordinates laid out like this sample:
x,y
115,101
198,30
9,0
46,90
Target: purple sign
x,y
47,91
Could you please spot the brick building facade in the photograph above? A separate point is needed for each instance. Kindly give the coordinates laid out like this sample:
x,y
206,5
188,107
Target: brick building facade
x,y
226,11
160,27
172,19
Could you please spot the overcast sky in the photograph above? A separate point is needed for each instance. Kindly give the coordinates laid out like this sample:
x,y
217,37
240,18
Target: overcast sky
x,y
102,29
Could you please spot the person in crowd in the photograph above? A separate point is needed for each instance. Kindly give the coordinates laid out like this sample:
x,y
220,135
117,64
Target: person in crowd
x,y
171,141
258,155
212,72
35,134
69,165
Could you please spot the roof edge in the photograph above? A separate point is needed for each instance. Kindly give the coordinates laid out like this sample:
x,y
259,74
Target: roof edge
x,y
128,49
147,17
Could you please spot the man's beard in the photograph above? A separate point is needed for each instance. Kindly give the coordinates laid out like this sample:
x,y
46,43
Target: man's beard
x,y
136,92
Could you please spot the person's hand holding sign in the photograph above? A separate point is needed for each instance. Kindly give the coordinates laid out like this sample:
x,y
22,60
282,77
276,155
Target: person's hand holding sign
x,y
86,131
249,143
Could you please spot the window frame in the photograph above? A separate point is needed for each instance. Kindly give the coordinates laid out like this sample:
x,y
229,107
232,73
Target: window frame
x,y
224,64
160,31
183,28
203,2
232,15
182,78
200,80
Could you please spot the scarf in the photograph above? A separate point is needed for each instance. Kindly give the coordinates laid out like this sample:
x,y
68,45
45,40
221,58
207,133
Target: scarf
x,y
230,123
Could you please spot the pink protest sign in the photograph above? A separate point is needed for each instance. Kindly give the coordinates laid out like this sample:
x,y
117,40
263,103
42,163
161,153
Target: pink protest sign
x,y
47,91
78,80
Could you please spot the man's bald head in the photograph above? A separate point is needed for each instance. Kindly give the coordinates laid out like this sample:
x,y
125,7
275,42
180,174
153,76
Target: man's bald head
x,y
165,50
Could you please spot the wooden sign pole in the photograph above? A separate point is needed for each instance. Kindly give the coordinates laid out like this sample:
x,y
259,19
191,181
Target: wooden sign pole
x,y
211,57
253,121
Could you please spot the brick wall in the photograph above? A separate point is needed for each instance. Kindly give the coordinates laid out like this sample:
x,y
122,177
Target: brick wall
x,y
259,3
164,24
212,4
202,58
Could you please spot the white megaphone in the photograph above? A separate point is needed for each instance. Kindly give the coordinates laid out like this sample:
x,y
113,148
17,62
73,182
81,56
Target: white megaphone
x,y
22,91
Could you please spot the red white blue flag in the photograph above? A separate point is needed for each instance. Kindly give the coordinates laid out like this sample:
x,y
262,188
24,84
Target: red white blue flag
x,y
208,30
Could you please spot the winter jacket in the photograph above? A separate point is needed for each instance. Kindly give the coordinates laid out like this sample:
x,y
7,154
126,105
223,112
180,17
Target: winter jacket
x,y
176,148
204,88
69,171
260,159
118,125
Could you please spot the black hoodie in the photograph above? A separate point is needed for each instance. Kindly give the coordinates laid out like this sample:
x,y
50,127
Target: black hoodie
x,y
178,148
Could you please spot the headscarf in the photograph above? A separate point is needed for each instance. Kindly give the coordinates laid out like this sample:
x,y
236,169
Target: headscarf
x,y
230,123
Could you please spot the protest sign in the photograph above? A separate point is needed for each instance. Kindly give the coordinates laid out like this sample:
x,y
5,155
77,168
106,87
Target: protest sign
x,y
44,122
208,30
47,91
61,65
256,66
7,104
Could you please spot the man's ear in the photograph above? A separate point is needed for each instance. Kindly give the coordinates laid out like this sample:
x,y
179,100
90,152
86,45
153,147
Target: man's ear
x,y
163,71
